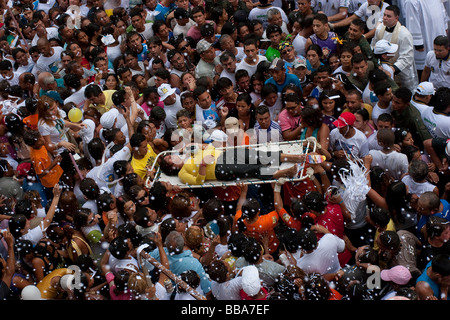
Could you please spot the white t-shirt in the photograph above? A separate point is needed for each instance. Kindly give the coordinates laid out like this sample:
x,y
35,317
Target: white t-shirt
x,y
104,174
324,259
228,290
417,187
77,97
299,45
49,64
376,111
56,132
394,162
440,70
437,124
52,32
355,145
251,69
171,113
35,234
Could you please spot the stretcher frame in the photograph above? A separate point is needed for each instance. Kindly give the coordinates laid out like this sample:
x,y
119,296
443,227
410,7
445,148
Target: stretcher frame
x,y
307,145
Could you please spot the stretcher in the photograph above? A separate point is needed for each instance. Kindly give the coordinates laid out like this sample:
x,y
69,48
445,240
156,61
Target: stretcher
x,y
296,147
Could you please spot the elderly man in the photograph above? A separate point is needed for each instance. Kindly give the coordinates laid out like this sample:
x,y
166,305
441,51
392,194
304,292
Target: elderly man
x,y
47,82
405,73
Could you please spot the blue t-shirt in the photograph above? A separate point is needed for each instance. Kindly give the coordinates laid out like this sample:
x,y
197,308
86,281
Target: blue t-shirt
x,y
290,78
445,213
164,11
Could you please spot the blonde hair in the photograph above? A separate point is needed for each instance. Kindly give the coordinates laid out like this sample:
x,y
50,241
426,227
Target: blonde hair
x,y
44,103
137,283
194,239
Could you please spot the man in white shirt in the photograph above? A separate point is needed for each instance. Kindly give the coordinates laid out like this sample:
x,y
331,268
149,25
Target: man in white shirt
x,y
321,255
172,103
50,56
252,59
370,11
436,117
394,162
335,10
437,63
403,61
346,140
425,19
260,13
183,22
138,23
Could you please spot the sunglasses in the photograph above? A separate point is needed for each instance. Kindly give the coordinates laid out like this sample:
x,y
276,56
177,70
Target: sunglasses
x,y
286,51
142,199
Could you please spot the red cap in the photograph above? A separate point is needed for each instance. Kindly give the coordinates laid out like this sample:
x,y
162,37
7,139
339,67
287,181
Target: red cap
x,y
345,119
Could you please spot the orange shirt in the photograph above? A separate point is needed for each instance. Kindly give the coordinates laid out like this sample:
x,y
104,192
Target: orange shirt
x,y
265,223
31,121
41,161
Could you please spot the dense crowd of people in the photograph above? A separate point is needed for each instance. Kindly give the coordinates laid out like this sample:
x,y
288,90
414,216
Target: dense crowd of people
x,y
100,99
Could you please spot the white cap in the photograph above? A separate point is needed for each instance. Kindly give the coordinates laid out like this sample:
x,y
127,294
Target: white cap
x,y
251,284
232,125
108,118
218,135
165,90
425,89
384,46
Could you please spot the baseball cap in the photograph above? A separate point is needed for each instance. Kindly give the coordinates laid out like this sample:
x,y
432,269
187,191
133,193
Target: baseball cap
x,y
232,125
299,63
218,135
202,46
165,90
384,46
181,13
398,274
425,89
345,119
108,118
23,168
277,64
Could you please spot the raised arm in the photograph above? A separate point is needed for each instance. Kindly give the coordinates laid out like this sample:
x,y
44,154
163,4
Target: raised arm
x,y
51,211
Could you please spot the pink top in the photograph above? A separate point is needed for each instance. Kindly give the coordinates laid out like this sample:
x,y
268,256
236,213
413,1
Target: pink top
x,y
286,121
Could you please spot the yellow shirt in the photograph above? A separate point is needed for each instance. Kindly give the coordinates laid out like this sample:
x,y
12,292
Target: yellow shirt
x,y
45,287
390,227
366,106
140,166
189,173
102,108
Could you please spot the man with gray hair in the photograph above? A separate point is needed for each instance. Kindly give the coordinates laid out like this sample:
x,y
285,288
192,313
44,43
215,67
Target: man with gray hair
x,y
181,260
416,180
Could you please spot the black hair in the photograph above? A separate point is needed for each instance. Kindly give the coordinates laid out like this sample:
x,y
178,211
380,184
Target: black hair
x,y
118,247
404,94
308,239
380,216
251,250
314,201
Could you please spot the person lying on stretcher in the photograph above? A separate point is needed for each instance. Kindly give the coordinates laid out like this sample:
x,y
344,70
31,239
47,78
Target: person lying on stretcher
x,y
209,163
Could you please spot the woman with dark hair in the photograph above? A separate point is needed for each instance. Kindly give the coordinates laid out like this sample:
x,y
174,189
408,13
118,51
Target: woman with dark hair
x,y
313,126
244,111
330,103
